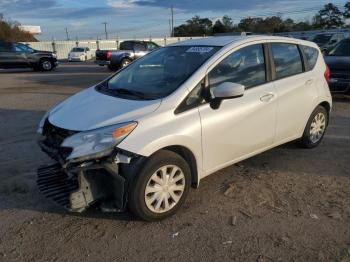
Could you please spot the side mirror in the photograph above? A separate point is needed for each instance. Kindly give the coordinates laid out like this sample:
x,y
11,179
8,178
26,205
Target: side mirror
x,y
226,90
333,41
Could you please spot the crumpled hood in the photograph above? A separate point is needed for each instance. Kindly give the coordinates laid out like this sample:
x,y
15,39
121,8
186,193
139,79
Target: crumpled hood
x,y
91,109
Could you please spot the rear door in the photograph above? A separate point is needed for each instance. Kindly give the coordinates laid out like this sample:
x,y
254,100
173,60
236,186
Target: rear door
x,y
5,54
241,126
140,49
18,55
295,86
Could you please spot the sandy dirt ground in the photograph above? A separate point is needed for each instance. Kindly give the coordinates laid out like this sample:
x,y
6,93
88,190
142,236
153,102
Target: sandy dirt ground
x,y
287,204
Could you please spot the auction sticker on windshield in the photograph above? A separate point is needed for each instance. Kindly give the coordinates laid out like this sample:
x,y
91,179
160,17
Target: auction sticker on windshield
x,y
199,49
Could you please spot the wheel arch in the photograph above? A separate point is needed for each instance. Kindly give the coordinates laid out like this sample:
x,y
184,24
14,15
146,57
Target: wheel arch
x,y
190,158
326,105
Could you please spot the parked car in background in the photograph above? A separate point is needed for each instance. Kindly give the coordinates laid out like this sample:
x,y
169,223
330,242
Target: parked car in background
x,y
80,54
128,52
338,61
17,55
144,136
326,41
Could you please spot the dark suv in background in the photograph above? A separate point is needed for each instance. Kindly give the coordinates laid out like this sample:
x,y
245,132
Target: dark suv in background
x,y
338,61
17,55
128,52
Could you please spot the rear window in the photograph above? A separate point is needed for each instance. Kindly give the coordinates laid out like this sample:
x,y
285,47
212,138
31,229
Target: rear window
x,y
311,55
126,45
287,59
78,49
342,49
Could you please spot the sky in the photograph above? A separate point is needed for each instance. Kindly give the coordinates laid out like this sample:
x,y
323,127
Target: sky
x,y
142,18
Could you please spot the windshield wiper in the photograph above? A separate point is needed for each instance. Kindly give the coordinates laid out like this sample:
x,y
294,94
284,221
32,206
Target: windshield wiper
x,y
125,91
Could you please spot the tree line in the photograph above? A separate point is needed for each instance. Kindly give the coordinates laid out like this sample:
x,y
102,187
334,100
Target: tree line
x,y
10,31
327,18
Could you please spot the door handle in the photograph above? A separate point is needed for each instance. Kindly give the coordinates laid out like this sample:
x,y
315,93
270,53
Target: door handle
x,y
267,97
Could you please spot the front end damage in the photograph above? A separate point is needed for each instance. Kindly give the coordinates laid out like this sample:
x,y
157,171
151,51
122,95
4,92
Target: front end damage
x,y
78,184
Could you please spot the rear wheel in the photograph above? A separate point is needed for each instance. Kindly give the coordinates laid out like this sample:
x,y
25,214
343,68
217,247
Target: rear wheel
x,y
161,187
315,128
46,65
125,62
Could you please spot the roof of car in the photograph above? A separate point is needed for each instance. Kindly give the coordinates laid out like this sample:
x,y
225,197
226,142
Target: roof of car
x,y
225,40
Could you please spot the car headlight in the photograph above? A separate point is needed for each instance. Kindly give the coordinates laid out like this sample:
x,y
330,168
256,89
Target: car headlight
x,y
54,55
99,142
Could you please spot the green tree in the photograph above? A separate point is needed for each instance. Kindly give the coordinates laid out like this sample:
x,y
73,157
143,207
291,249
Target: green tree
x,y
329,17
10,31
196,26
219,27
228,23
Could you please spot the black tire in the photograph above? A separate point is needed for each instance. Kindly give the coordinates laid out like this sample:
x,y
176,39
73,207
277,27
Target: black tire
x,y
306,140
46,64
125,62
137,203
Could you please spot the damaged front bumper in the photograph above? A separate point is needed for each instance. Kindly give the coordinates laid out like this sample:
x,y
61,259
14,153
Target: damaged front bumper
x,y
80,184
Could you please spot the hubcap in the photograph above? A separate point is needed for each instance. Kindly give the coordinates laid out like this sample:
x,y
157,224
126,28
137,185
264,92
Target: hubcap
x,y
317,128
47,65
164,189
125,63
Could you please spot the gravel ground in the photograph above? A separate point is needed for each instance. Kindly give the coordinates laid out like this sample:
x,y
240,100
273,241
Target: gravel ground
x,y
287,204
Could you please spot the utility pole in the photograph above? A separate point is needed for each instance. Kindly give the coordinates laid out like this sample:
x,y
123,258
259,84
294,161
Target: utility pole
x,y
105,23
172,21
67,34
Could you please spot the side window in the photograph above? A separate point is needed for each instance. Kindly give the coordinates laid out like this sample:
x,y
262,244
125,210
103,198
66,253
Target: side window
x,y
287,59
311,55
151,46
17,48
139,47
245,66
194,99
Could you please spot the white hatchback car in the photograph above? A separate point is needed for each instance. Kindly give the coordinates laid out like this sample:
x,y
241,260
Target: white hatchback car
x,y
80,54
143,136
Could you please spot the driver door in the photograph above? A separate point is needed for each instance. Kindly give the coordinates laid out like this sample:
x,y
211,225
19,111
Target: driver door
x,y
243,126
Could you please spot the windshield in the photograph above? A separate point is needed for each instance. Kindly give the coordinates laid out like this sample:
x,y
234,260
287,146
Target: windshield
x,y
342,49
157,74
77,49
322,39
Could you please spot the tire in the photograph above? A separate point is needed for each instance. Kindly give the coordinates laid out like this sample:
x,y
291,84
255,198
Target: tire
x,y
46,64
125,62
161,163
315,128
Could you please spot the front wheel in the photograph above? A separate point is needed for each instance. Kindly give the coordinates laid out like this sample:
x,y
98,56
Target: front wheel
x,y
315,128
46,65
161,187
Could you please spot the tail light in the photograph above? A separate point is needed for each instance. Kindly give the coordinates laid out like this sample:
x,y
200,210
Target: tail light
x,y
108,55
327,74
